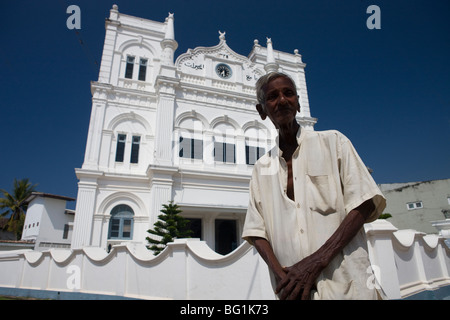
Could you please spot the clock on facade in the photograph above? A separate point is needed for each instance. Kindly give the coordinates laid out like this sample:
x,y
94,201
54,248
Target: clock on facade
x,y
223,71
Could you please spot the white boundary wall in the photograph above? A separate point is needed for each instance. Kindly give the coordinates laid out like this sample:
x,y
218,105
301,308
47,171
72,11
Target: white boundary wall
x,y
405,262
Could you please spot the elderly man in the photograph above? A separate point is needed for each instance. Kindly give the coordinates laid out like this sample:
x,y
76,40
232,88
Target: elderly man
x,y
309,198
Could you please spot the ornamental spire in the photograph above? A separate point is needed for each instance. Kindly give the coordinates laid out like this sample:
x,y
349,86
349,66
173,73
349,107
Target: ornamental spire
x,y
170,32
271,65
169,45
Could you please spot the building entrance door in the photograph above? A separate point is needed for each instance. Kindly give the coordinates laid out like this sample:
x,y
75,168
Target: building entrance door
x,y
225,236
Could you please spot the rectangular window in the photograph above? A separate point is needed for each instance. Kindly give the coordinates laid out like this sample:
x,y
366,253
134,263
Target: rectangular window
x,y
197,149
120,150
253,153
414,205
225,236
185,147
195,225
66,231
126,230
224,152
135,149
129,67
142,69
115,227
191,148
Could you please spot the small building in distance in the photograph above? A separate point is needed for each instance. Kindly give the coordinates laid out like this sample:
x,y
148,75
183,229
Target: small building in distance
x,y
48,223
415,205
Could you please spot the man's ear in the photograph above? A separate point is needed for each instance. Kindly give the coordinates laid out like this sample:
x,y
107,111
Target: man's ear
x,y
261,111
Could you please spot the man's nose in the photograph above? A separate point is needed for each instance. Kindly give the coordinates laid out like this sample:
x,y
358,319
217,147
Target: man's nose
x,y
282,99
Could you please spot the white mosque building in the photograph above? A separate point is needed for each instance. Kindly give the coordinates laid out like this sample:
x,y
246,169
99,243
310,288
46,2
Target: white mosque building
x,y
185,131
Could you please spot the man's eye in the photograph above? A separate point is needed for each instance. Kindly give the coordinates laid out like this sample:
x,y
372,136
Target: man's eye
x,y
289,93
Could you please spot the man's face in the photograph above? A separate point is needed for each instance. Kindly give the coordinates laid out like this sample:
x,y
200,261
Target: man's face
x,y
281,102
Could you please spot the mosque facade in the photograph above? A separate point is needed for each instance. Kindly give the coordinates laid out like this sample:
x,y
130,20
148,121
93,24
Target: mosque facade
x,y
181,129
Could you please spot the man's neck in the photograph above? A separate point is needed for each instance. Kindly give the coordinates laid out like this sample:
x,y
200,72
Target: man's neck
x,y
288,138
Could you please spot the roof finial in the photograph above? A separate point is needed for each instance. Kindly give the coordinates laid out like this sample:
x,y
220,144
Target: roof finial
x,y
222,35
114,12
270,58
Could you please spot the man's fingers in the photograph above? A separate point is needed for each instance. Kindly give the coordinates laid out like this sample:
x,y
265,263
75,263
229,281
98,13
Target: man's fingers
x,y
296,292
306,293
282,284
287,291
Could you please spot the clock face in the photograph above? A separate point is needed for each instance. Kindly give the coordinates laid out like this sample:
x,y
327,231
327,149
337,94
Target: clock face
x,y
223,71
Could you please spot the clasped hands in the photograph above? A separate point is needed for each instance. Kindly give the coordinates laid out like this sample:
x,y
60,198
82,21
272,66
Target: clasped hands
x,y
299,279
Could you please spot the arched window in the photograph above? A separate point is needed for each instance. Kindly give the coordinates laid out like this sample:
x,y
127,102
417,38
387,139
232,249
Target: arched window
x,y
224,143
191,139
255,144
129,139
121,223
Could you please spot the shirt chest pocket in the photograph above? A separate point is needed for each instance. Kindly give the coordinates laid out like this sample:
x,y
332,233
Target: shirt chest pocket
x,y
321,193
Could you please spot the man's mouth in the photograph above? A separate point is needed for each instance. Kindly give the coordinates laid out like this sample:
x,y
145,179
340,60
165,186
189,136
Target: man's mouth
x,y
284,109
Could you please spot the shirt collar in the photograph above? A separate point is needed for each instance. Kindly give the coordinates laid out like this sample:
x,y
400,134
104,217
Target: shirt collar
x,y
299,137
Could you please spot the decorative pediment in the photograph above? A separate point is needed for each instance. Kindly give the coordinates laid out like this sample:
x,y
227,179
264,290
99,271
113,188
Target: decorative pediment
x,y
220,63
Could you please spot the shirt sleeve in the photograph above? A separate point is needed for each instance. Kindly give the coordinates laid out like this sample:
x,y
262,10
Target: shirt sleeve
x,y
254,225
358,184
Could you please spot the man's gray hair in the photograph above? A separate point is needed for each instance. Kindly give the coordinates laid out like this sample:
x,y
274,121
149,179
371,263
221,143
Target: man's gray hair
x,y
262,83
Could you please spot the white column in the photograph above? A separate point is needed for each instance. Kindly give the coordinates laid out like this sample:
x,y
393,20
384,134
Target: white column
x,y
97,230
92,153
165,117
85,208
209,229
106,145
208,148
82,228
240,149
161,190
164,130
108,47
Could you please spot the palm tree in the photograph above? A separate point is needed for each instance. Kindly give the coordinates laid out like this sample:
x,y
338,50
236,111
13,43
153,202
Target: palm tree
x,y
16,205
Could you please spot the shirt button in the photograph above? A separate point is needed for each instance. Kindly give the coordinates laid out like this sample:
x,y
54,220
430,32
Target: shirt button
x,y
301,230
298,205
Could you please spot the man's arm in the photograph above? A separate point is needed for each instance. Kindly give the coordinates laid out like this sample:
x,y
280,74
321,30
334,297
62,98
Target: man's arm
x,y
266,252
301,277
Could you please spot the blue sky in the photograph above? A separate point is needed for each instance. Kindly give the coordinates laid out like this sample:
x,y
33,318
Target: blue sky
x,y
388,90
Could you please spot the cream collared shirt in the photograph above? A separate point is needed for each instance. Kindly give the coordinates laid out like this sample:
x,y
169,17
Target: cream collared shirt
x,y
329,181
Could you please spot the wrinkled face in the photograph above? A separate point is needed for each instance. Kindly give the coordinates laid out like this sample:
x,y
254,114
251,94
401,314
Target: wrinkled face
x,y
281,104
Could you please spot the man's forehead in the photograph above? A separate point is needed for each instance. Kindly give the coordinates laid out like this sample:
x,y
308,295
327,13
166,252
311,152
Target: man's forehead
x,y
281,80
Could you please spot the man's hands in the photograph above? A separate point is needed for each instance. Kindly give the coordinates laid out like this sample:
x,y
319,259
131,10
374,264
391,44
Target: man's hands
x,y
296,281
300,278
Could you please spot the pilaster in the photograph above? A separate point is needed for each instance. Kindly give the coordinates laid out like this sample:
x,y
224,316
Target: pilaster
x,y
165,116
111,26
94,139
85,208
161,189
